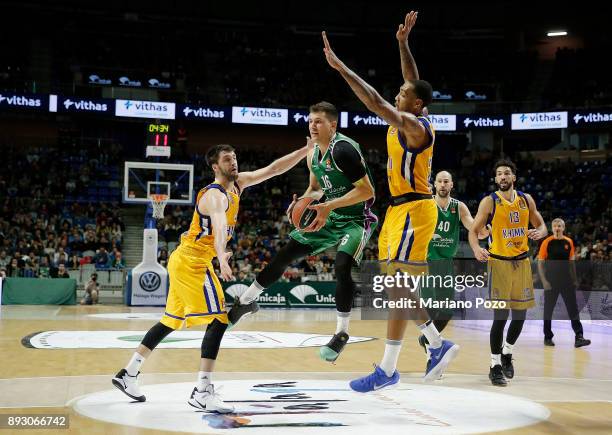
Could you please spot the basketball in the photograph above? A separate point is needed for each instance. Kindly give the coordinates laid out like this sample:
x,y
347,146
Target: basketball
x,y
301,216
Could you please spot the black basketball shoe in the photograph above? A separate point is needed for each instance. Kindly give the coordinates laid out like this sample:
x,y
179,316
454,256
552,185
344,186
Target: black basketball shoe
x,y
496,375
331,351
581,341
507,366
238,311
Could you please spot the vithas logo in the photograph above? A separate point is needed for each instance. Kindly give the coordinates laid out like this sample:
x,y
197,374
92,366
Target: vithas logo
x,y
592,117
483,122
368,120
18,100
144,109
147,105
85,105
541,117
260,115
539,120
203,112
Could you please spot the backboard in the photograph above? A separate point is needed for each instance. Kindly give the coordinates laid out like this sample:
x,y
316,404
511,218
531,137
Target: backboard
x,y
142,179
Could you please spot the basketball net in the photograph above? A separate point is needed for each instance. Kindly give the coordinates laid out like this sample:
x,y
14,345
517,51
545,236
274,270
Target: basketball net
x,y
158,202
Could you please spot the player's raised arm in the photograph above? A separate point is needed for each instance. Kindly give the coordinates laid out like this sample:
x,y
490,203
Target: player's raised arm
x,y
277,167
539,230
406,122
467,220
214,203
484,210
409,67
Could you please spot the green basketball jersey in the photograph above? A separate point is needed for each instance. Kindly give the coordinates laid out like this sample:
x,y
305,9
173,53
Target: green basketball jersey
x,y
333,181
445,241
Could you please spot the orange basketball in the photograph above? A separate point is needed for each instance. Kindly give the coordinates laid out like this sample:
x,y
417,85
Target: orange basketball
x,y
301,216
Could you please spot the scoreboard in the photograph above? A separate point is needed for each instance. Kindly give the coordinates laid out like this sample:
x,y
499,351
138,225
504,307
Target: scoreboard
x,y
158,135
158,140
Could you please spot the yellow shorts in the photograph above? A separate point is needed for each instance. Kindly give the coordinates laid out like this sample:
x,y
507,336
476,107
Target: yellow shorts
x,y
512,282
407,231
196,296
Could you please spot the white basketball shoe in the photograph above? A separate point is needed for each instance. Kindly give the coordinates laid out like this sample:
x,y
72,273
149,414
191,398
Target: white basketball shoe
x,y
210,401
128,385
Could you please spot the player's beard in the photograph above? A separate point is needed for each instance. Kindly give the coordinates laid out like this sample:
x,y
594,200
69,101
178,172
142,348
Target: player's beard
x,y
231,176
442,193
505,189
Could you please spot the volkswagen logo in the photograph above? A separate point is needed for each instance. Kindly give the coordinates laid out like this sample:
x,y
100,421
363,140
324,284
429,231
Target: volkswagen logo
x,y
150,281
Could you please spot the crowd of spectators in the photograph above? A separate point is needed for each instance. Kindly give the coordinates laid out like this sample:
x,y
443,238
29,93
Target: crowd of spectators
x,y
46,238
50,220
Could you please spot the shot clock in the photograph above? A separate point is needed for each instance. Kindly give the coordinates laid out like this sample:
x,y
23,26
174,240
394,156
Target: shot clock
x,y
158,140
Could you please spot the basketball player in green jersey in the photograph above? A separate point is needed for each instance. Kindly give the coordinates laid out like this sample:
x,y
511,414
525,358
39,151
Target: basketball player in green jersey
x,y
443,248
338,172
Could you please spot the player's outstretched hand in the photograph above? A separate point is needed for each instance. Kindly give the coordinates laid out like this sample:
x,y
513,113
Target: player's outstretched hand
x,y
331,57
226,270
404,29
323,211
310,143
290,208
535,234
481,254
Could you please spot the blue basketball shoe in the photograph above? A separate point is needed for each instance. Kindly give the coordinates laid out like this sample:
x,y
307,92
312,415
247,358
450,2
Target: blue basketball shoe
x,y
439,360
375,381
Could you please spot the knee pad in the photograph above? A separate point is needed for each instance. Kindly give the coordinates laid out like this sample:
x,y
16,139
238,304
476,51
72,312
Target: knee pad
x,y
212,339
156,334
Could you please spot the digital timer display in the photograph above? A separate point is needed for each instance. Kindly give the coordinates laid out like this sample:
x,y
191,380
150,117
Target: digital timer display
x,y
158,134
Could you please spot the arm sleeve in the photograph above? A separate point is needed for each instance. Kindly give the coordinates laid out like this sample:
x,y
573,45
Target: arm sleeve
x,y
349,161
543,254
572,251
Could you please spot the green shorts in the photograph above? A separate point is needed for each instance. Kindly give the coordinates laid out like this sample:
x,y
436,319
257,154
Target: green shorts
x,y
350,233
436,290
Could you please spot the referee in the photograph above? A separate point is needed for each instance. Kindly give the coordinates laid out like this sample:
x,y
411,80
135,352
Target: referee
x,y
557,271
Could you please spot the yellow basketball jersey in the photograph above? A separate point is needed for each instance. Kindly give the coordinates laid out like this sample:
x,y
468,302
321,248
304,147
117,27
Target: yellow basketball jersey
x,y
200,237
509,224
409,169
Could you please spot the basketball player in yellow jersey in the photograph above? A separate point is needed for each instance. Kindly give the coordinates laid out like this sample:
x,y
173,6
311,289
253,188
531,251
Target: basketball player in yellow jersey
x,y
509,212
196,296
411,217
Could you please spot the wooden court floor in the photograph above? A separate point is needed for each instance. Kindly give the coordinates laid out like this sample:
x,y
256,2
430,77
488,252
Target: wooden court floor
x,y
574,384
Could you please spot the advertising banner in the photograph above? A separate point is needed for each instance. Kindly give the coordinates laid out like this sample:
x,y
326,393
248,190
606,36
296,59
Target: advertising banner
x,y
144,109
539,120
260,115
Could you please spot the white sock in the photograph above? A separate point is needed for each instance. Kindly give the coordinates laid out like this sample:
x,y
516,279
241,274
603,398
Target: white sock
x,y
204,380
133,366
342,322
507,350
432,335
252,293
495,359
391,355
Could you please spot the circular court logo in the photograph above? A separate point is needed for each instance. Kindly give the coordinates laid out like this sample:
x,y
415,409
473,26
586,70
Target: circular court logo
x,y
149,281
316,407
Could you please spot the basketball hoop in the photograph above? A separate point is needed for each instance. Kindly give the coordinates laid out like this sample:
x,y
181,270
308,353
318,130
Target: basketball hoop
x,y
158,202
